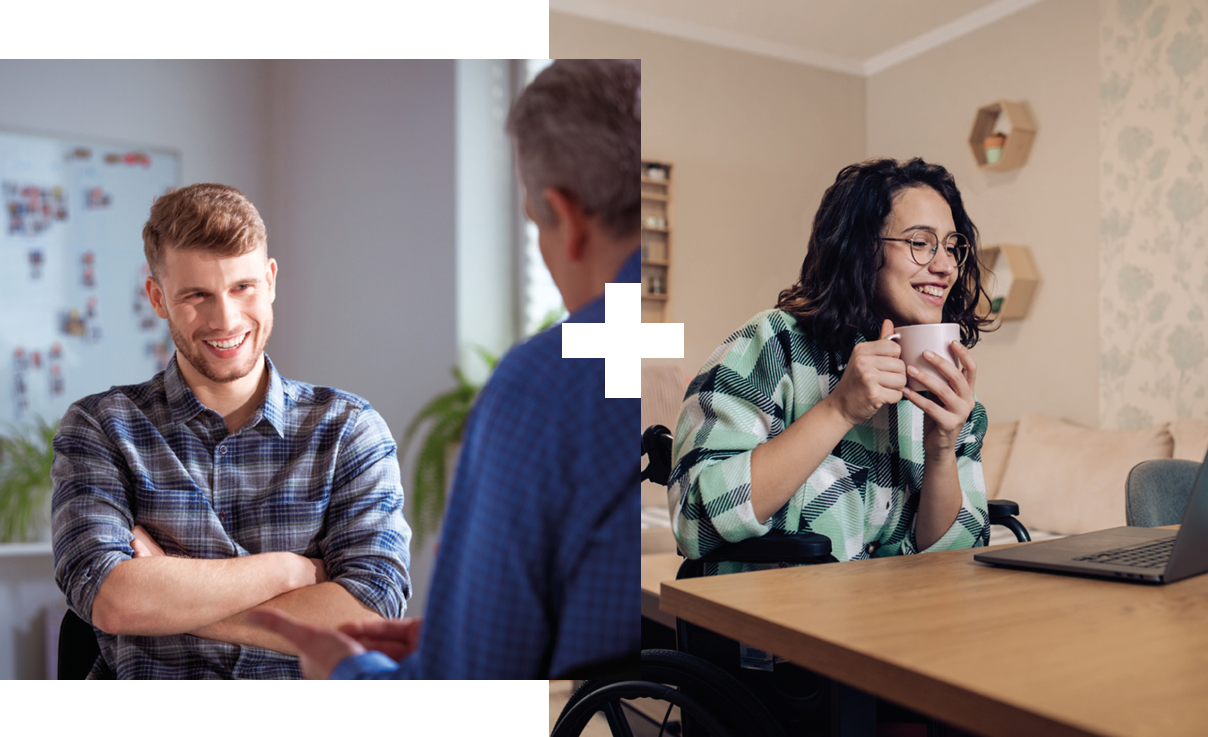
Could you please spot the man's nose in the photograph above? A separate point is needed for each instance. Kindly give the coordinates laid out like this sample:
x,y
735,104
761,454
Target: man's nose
x,y
226,313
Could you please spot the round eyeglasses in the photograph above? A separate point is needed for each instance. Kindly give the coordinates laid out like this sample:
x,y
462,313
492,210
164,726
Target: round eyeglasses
x,y
924,245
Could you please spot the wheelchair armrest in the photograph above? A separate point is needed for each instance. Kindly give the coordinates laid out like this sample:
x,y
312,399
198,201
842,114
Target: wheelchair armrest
x,y
1002,508
774,547
656,446
1002,512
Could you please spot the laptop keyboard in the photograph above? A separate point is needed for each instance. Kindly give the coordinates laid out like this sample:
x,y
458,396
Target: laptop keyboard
x,y
1149,555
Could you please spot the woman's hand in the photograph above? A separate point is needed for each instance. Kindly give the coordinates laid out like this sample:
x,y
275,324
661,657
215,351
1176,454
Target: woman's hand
x,y
875,376
952,398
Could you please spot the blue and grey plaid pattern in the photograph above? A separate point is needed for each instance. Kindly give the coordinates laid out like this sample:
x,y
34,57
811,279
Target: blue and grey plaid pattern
x,y
761,379
313,472
538,570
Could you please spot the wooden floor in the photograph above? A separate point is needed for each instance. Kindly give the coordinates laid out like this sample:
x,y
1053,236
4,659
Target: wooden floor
x,y
559,693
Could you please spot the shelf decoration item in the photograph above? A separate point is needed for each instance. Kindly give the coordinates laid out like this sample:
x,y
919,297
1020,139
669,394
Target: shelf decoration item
x,y
1011,278
994,146
656,239
1016,141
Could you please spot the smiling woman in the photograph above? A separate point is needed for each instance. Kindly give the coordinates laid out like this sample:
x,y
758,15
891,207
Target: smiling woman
x,y
796,422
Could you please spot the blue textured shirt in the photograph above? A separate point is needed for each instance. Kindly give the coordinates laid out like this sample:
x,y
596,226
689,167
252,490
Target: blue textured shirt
x,y
538,568
313,472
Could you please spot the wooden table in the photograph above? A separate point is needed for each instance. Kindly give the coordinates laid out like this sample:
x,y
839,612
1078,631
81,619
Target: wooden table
x,y
990,650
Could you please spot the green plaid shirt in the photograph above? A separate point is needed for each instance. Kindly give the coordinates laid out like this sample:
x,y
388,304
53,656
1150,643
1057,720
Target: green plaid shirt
x,y
757,383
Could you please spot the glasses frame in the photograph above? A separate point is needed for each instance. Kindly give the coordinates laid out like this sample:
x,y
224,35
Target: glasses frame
x,y
966,249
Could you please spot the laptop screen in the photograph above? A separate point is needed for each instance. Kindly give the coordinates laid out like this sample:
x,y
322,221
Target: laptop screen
x,y
1191,547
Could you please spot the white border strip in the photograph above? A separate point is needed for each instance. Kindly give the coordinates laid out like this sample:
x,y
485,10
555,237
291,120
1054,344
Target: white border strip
x,y
945,33
604,11
608,13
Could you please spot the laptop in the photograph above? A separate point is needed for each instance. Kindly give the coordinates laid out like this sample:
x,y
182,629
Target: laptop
x,y
1130,553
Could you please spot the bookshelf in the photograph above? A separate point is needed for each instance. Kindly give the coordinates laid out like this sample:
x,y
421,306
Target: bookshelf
x,y
656,239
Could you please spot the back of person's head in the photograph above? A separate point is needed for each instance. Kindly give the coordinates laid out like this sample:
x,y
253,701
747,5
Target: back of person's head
x,y
835,296
578,129
213,218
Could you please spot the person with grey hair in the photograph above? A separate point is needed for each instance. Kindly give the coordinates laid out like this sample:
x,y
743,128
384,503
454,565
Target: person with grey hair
x,y
537,574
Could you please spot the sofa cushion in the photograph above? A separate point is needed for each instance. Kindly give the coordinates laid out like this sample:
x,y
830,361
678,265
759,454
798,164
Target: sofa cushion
x,y
1068,478
996,448
1190,439
663,387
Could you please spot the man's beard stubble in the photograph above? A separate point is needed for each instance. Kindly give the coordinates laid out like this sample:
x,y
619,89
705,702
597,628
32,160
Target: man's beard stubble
x,y
191,353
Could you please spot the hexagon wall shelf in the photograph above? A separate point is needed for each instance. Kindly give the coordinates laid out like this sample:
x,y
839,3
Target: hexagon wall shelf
x,y
1010,276
1019,139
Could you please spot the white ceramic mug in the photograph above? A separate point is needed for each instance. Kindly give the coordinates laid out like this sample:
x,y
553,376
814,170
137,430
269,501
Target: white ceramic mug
x,y
937,338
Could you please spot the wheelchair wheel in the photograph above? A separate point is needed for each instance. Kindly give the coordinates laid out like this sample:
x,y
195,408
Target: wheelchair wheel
x,y
712,701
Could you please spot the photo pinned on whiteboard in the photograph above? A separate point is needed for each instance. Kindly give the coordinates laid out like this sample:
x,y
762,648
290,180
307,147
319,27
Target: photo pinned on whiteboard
x,y
32,209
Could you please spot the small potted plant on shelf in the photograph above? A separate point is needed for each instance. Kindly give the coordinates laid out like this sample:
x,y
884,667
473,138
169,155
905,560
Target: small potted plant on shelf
x,y
25,458
994,145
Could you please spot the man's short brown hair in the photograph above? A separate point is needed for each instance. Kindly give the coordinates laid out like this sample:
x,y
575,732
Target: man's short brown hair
x,y
202,217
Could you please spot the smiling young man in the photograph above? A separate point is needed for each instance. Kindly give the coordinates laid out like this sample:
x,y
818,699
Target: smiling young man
x,y
182,504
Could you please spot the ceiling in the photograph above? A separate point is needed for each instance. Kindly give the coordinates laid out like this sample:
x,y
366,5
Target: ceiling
x,y
853,36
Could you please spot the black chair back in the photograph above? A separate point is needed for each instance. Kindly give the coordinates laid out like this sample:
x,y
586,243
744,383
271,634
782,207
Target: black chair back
x,y
78,648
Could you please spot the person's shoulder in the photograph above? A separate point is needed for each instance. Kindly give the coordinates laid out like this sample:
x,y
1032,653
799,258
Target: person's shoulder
x,y
147,400
531,364
747,344
768,326
305,395
534,377
316,404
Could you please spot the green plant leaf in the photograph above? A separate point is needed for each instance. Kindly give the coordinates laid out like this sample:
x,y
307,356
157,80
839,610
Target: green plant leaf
x,y
552,318
490,359
26,456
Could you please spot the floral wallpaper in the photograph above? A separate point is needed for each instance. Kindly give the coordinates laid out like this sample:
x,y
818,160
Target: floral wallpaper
x,y
1154,212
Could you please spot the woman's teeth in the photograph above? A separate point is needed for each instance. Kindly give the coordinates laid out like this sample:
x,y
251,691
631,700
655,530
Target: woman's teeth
x,y
933,291
226,345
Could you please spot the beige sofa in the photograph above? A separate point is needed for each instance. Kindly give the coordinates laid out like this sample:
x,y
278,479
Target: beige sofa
x,y
1067,478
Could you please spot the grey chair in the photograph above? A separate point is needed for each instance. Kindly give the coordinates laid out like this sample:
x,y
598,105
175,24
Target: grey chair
x,y
1157,491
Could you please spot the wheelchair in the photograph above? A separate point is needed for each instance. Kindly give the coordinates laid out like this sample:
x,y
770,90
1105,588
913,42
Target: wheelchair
x,y
709,677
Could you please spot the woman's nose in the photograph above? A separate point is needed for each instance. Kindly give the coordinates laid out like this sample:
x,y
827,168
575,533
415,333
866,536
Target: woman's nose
x,y
943,263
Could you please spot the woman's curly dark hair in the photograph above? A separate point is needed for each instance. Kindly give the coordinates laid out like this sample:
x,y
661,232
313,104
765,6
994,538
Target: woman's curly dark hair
x,y
836,295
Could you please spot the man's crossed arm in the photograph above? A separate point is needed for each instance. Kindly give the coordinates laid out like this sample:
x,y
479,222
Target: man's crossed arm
x,y
155,594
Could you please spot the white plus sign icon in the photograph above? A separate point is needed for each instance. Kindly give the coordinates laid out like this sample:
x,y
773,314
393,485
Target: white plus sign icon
x,y
622,340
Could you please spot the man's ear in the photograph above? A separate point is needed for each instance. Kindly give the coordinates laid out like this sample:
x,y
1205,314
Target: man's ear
x,y
155,293
569,222
270,276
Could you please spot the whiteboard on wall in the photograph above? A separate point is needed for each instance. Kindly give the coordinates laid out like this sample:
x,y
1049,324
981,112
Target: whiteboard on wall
x,y
74,316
